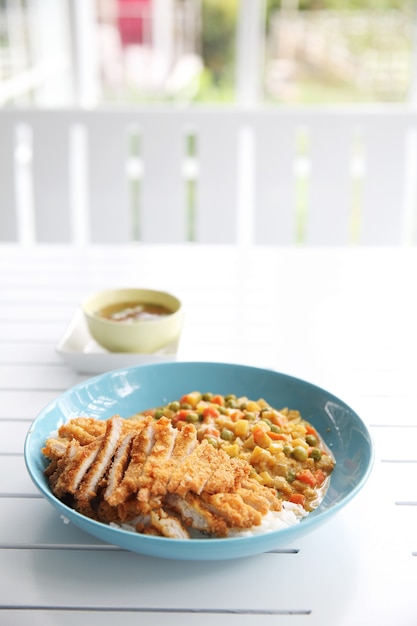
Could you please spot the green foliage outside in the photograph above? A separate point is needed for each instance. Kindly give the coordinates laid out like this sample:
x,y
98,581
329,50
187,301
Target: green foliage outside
x,y
218,39
345,5
313,85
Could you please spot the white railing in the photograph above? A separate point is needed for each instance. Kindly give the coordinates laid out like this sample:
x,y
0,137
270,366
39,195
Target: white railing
x,y
272,176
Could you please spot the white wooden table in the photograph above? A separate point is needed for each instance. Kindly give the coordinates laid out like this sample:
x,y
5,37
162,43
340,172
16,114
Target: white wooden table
x,y
342,318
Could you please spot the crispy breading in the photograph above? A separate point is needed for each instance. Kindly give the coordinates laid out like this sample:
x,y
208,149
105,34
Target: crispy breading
x,y
275,504
233,509
130,509
88,486
196,515
74,465
168,525
164,441
118,466
154,477
185,442
55,448
141,447
195,470
228,475
83,429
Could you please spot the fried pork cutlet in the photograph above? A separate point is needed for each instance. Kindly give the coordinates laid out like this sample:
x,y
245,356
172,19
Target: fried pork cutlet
x,y
185,442
142,445
118,466
83,429
164,441
154,477
197,515
73,466
88,486
195,469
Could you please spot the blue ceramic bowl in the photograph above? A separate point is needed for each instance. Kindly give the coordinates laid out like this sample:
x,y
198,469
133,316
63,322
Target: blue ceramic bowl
x,y
128,391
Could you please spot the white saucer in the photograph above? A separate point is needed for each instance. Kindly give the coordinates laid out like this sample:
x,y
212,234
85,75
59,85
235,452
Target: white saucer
x,y
79,349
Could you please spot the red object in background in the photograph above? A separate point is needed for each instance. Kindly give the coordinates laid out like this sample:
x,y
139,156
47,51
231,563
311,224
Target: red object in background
x,y
134,21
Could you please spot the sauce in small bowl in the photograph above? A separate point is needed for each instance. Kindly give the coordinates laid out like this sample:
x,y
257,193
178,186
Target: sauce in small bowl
x,y
133,320
128,312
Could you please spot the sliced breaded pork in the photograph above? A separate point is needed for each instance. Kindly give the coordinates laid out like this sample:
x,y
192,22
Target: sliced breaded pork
x,y
164,441
83,429
168,525
141,447
196,515
74,465
185,443
193,472
88,486
156,478
119,465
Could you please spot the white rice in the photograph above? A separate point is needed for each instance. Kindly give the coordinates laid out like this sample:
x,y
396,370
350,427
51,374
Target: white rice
x,y
290,515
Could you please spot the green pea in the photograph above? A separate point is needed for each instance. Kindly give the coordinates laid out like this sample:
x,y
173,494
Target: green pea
x,y
249,415
207,396
290,476
159,413
227,435
275,428
315,454
192,417
186,406
222,409
300,454
311,440
174,406
287,449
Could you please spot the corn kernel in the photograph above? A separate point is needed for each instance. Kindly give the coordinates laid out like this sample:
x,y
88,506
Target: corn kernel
x,y
262,403
252,406
299,430
263,426
232,449
259,455
276,447
249,443
261,438
267,479
299,442
241,428
257,477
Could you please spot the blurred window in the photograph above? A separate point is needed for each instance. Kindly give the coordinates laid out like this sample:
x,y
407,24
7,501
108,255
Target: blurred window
x,y
60,52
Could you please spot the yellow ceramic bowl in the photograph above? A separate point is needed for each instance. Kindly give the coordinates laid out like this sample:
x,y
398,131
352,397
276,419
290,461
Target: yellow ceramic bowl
x,y
132,320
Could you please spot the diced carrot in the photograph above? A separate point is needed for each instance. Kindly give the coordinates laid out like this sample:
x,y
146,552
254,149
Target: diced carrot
x,y
181,415
297,498
278,436
192,398
260,437
217,400
320,476
306,476
210,411
236,414
310,430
